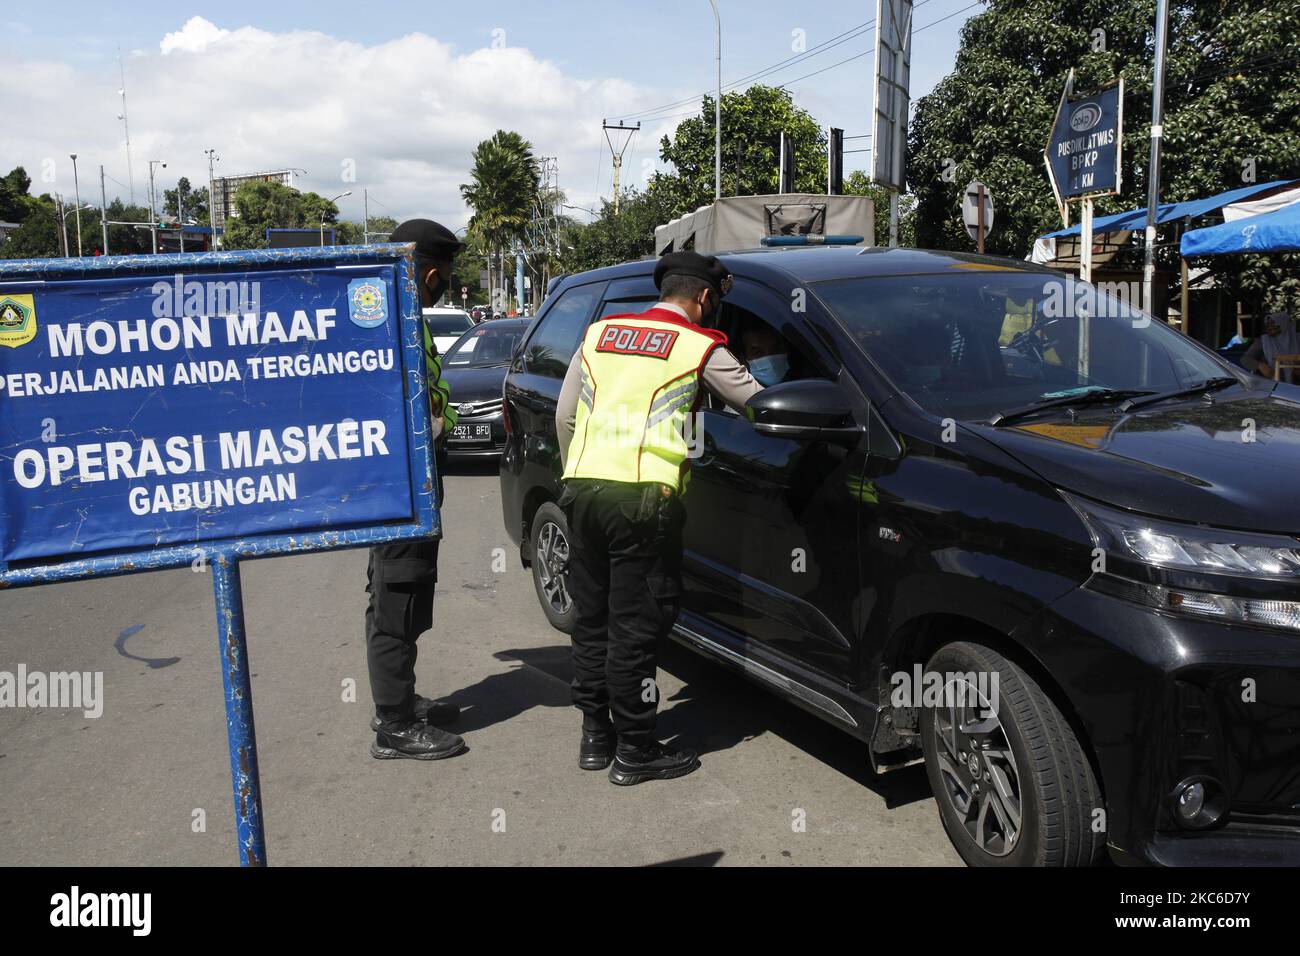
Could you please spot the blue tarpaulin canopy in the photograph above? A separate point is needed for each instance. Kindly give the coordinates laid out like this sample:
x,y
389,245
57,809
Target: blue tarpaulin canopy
x,y
1136,219
1276,231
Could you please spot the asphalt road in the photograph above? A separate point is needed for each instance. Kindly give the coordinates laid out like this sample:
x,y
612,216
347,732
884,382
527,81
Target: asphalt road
x,y
148,782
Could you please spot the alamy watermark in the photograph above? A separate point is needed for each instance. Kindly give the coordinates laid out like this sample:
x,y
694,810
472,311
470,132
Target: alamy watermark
x,y
74,690
972,690
184,298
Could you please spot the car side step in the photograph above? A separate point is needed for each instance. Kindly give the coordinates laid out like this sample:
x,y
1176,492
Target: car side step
x,y
767,675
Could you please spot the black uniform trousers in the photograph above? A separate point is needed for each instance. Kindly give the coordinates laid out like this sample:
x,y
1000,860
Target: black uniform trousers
x,y
401,580
625,580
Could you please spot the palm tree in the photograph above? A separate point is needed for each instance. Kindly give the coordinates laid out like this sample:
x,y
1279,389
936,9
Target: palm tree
x,y
501,192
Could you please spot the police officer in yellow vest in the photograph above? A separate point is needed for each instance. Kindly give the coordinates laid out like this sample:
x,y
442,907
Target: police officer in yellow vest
x,y
625,410
402,575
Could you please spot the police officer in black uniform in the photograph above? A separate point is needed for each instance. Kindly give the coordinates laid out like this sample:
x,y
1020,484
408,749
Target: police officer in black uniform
x,y
402,575
625,514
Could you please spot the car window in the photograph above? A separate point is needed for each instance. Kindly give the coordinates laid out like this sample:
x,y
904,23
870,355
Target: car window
x,y
623,306
487,346
448,323
557,337
971,345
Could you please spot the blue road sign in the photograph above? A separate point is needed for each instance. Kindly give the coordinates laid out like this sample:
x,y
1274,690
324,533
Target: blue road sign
x,y
1084,151
199,410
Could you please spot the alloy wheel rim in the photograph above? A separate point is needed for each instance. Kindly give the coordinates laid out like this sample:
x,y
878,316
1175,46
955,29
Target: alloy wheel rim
x,y
978,769
552,566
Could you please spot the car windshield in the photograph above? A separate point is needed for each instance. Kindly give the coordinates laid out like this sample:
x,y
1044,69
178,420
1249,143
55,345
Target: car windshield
x,y
986,341
448,323
485,347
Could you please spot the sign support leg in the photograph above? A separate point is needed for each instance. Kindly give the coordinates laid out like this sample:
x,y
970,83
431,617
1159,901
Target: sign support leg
x,y
1085,239
893,218
235,679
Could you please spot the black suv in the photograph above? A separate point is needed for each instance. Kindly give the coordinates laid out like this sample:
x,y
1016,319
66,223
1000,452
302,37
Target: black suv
x,y
993,519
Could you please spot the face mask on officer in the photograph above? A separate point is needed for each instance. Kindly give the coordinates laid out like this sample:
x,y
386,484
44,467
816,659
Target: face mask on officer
x,y
435,281
709,308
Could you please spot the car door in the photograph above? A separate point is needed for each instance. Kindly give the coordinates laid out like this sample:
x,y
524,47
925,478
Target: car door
x,y
532,388
773,524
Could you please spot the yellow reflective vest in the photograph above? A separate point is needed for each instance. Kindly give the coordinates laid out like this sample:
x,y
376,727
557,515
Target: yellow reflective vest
x,y
640,385
439,390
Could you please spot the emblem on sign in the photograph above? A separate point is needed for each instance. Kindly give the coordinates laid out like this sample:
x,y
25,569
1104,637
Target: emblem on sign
x,y
367,302
17,320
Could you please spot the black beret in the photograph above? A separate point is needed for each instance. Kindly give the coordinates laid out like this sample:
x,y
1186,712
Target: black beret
x,y
432,239
707,268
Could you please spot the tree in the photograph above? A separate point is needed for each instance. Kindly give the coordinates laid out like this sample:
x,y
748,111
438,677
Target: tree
x,y
196,201
502,190
1232,108
614,238
858,183
752,123
37,236
13,195
270,205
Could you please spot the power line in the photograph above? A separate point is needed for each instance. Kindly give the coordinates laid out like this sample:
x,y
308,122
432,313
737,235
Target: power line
x,y
820,48
858,56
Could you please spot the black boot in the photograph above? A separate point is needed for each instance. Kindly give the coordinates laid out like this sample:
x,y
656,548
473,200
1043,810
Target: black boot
x,y
415,740
633,765
436,712
597,747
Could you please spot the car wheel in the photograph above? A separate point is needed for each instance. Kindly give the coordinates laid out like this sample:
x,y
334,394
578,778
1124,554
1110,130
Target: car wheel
x,y
1013,785
551,566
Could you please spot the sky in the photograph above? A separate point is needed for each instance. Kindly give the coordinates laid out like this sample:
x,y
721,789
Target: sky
x,y
389,98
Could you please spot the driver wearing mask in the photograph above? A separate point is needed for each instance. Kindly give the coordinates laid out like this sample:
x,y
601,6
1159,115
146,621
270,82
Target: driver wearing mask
x,y
765,354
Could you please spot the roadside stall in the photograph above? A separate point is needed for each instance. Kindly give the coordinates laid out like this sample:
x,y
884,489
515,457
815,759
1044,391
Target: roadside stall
x,y
1277,229
1113,234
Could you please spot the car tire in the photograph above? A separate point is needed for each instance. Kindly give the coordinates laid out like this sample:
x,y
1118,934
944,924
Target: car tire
x,y
1014,788
550,560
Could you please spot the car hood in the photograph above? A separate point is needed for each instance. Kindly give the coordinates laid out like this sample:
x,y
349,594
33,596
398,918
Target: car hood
x,y
1183,460
475,384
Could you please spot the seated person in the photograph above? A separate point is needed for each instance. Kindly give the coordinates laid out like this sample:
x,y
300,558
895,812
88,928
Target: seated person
x,y
1279,338
764,351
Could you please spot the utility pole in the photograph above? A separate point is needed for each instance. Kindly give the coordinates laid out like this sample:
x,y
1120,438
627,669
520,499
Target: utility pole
x,y
180,213
63,224
153,216
365,223
76,186
103,209
617,153
717,111
212,198
1153,167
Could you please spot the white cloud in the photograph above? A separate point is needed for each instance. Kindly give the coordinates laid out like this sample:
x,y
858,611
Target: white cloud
x,y
194,37
405,113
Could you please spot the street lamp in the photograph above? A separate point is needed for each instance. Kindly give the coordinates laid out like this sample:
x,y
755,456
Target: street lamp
x,y
322,216
64,226
717,111
76,187
153,216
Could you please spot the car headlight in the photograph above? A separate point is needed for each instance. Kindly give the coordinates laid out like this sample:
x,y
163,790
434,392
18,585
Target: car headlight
x,y
1183,547
1207,573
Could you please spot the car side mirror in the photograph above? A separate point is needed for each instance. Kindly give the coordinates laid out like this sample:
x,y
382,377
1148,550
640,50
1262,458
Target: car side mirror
x,y
804,410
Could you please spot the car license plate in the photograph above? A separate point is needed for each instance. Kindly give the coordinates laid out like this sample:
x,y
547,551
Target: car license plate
x,y
471,433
